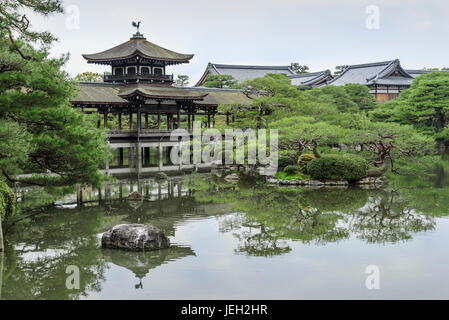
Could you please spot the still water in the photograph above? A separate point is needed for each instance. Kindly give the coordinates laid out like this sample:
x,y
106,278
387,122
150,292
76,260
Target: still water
x,y
241,241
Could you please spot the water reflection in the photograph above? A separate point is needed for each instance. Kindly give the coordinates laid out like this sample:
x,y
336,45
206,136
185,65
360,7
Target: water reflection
x,y
264,221
140,263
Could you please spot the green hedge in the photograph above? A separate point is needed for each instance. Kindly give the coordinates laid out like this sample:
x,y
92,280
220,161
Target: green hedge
x,y
7,201
283,162
290,169
338,167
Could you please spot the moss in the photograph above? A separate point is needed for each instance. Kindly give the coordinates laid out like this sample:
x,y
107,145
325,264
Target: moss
x,y
295,176
7,201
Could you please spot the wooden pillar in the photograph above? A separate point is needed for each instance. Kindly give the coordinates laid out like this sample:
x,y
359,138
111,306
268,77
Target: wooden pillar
x,y
131,121
105,117
120,121
168,121
120,157
147,156
159,120
188,122
146,120
179,119
98,124
139,121
208,120
213,121
233,118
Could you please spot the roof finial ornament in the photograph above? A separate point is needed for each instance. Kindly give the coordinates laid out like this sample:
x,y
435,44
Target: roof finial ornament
x,y
137,34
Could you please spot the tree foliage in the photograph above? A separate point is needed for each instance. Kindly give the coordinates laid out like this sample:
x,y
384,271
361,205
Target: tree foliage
x,y
221,81
298,68
89,77
182,80
41,131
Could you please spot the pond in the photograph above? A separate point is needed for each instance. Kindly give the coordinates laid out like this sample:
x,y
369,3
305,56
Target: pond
x,y
234,241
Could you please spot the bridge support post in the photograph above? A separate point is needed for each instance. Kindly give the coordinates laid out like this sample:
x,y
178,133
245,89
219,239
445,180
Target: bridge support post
x,y
138,158
159,151
120,121
105,117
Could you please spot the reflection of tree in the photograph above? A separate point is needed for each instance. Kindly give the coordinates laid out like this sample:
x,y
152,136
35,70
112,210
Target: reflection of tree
x,y
387,218
36,265
273,216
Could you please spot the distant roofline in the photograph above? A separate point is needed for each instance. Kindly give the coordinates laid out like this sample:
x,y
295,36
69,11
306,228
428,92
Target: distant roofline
x,y
387,64
217,66
243,66
309,74
420,71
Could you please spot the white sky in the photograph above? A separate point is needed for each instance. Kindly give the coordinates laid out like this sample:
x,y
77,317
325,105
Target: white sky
x,y
319,33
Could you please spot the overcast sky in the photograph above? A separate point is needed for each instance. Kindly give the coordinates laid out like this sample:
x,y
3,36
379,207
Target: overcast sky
x,y
318,33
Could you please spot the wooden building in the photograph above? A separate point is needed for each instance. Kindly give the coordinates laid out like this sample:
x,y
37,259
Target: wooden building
x,y
140,86
384,79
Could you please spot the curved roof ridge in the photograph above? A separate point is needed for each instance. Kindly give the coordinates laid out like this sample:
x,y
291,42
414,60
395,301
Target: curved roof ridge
x,y
137,47
309,74
249,66
364,65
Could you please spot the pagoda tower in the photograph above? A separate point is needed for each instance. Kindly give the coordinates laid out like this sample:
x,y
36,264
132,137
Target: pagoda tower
x,y
138,61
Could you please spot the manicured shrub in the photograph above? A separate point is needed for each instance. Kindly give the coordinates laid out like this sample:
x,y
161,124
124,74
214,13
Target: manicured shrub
x,y
7,201
303,161
284,161
338,167
291,169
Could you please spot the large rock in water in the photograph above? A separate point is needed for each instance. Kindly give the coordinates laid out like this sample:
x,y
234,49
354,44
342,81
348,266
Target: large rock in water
x,y
137,237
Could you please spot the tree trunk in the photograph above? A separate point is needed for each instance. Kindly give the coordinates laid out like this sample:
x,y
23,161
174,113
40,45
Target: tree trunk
x,y
1,273
1,236
379,171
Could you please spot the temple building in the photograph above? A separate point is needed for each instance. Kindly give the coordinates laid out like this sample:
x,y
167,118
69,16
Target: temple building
x,y
140,87
243,73
384,79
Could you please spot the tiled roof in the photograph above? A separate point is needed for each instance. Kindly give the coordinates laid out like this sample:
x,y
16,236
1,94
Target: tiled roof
x,y
137,47
105,94
310,79
243,72
98,93
415,73
162,92
373,73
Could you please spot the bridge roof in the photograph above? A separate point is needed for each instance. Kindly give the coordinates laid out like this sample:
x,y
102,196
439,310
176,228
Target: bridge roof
x,y
117,94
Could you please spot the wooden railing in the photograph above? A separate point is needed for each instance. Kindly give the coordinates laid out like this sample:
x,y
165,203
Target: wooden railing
x,y
140,76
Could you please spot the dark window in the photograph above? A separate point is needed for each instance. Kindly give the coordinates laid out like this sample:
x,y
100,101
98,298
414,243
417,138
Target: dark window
x,y
132,70
119,71
158,71
145,70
